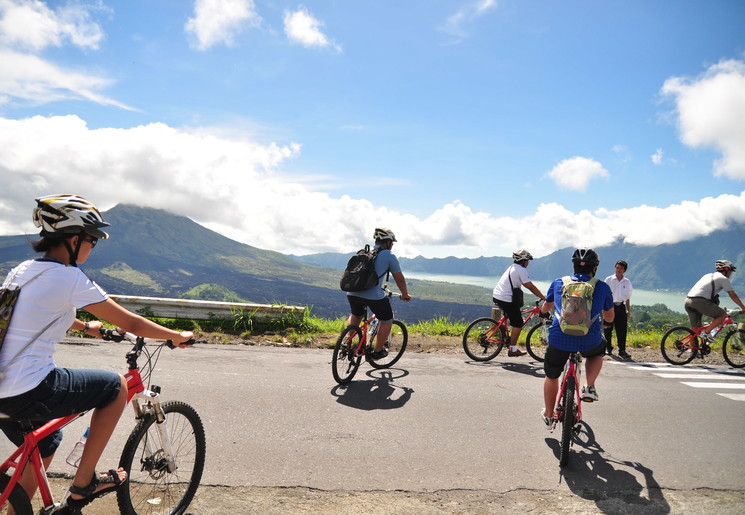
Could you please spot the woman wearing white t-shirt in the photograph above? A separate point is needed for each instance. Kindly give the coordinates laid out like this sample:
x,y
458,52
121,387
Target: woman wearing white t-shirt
x,y
32,387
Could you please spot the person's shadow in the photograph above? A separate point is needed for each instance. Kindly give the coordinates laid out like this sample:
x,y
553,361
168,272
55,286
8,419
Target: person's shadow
x,y
614,485
378,392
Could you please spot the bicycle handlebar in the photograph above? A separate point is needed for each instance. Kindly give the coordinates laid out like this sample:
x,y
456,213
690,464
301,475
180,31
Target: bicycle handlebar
x,y
118,334
390,292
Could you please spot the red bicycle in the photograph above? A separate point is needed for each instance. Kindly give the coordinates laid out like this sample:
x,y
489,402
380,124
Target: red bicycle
x,y
485,337
568,408
680,345
164,455
352,345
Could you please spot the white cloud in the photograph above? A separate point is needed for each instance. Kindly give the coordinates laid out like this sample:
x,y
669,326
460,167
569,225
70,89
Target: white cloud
x,y
303,28
30,78
576,173
219,21
711,113
235,186
468,13
658,156
32,25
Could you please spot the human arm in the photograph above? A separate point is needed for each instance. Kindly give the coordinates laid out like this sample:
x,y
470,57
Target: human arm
x,y
92,328
534,289
401,284
736,299
115,314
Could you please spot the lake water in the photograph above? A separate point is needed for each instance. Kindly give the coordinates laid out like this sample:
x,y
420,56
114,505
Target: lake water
x,y
673,300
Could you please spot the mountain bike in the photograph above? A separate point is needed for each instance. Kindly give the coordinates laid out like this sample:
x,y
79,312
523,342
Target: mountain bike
x,y
568,408
680,345
485,337
352,346
163,456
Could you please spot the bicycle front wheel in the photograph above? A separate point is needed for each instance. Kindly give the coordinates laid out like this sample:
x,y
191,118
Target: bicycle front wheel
x,y
733,348
344,363
18,499
537,341
151,487
483,339
567,421
678,346
396,345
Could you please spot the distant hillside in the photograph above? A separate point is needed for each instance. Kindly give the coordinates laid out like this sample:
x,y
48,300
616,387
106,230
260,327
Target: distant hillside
x,y
673,267
154,253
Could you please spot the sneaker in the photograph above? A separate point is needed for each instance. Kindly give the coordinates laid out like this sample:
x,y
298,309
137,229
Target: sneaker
x,y
589,394
549,421
609,351
516,352
706,337
625,355
379,354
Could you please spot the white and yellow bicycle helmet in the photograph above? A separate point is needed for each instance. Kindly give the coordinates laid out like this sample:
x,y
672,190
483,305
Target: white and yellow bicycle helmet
x,y
68,214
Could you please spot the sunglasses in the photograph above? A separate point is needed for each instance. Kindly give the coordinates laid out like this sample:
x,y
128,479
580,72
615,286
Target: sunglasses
x,y
92,241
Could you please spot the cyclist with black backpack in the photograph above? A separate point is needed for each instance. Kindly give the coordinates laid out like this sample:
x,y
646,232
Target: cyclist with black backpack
x,y
580,301
374,298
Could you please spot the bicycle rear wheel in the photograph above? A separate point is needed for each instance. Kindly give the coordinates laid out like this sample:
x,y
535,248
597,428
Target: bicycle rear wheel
x,y
733,348
396,345
678,346
567,421
537,341
150,487
483,340
18,499
344,363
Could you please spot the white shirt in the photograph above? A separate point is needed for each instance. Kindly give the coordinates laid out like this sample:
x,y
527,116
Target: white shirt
x,y
703,287
503,290
621,289
54,296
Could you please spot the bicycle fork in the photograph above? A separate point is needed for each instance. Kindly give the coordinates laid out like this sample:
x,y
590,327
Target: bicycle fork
x,y
147,404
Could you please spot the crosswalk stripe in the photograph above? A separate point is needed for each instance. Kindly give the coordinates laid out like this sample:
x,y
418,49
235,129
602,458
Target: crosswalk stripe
x,y
697,375
726,386
733,396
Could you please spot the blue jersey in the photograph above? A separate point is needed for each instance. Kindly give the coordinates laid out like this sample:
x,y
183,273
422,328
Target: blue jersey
x,y
602,299
384,262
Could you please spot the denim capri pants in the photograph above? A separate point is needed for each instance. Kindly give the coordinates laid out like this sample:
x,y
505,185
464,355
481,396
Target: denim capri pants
x,y
63,392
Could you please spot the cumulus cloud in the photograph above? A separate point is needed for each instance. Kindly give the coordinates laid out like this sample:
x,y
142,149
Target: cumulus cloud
x,y
711,113
657,156
219,21
456,23
576,173
32,25
243,194
303,28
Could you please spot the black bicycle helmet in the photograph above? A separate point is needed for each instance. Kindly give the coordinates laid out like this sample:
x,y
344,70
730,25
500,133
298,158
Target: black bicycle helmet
x,y
586,256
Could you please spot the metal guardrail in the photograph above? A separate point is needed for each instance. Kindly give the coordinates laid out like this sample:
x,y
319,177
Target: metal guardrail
x,y
202,309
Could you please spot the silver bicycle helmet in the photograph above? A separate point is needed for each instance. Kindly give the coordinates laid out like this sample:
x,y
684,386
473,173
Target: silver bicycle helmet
x,y
382,234
68,214
521,255
586,256
724,264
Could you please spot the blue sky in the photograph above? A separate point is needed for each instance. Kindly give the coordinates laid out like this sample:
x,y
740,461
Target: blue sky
x,y
468,127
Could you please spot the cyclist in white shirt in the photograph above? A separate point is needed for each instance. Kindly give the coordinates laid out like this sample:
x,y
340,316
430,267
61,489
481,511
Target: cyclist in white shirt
x,y
703,299
622,289
514,278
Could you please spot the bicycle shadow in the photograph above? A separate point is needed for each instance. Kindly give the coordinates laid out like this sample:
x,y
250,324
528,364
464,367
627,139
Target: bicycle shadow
x,y
591,474
533,368
377,393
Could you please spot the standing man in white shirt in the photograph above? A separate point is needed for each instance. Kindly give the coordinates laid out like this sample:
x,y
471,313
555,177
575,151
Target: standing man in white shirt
x,y
622,289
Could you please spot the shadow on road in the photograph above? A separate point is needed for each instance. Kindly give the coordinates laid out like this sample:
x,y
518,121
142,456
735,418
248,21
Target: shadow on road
x,y
616,486
378,392
533,368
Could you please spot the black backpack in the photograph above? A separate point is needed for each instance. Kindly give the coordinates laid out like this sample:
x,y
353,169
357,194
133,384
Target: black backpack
x,y
360,275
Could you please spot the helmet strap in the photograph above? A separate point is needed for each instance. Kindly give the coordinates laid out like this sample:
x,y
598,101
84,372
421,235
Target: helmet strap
x,y
73,254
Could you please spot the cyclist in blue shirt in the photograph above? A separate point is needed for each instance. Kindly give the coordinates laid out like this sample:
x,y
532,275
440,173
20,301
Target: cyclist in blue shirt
x,y
375,298
591,345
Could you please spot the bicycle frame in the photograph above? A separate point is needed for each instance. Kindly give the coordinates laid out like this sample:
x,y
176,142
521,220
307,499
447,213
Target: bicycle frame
x,y
692,341
572,369
28,451
502,323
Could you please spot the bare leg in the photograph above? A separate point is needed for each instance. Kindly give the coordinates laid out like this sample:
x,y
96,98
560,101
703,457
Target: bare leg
x,y
550,391
715,323
384,330
593,366
28,481
514,335
103,423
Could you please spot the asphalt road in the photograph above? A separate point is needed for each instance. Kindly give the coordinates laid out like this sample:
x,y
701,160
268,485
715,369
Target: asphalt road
x,y
275,417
